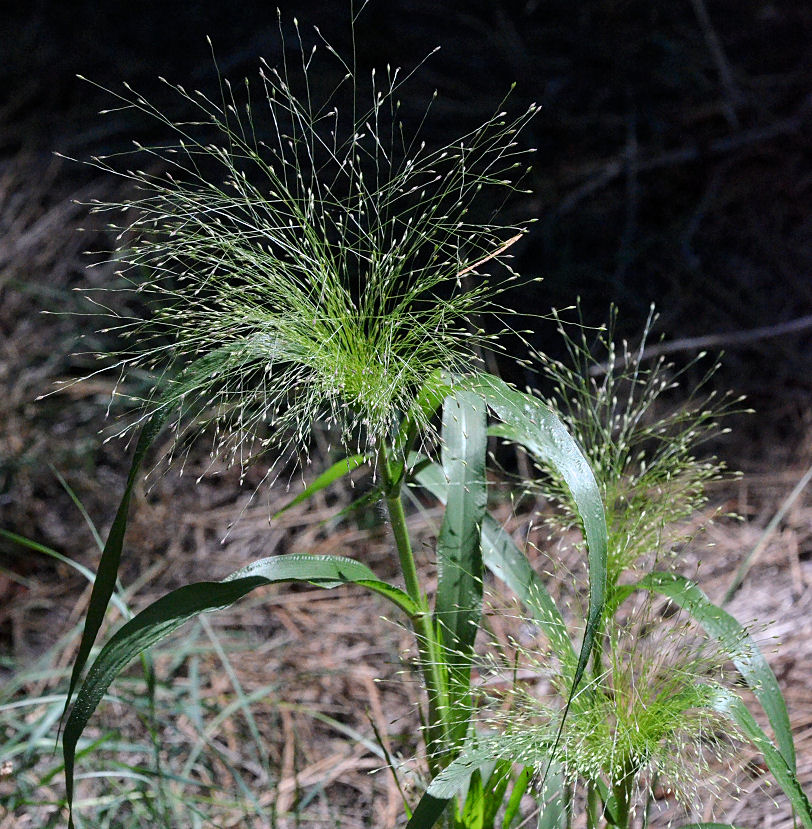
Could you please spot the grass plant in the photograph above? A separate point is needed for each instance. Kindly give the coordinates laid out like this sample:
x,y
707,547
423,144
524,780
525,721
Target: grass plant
x,y
660,710
324,266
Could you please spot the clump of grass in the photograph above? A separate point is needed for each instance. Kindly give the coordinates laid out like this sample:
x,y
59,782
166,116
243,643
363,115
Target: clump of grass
x,y
323,266
322,270
644,721
658,711
305,259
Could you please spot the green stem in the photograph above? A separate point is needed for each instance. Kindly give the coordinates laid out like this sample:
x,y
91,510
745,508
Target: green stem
x,y
427,643
594,807
408,567
622,791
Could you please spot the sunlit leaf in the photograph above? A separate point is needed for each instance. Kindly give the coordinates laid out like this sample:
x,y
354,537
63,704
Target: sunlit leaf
x,y
532,424
169,612
329,476
729,704
458,603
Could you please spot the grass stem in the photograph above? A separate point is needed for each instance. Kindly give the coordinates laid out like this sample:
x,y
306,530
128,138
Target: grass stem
x,y
427,643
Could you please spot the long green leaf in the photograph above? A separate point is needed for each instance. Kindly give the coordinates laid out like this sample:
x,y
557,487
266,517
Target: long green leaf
x,y
736,643
515,800
329,476
731,705
709,826
169,612
107,573
508,563
495,748
80,568
495,788
551,800
473,810
533,425
429,399
458,603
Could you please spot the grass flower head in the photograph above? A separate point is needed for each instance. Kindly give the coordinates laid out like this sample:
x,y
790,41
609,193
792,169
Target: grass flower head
x,y
305,260
645,719
643,449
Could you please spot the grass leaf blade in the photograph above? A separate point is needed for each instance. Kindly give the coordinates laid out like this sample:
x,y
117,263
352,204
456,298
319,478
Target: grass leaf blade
x,y
738,645
533,425
458,603
171,611
729,704
710,826
329,476
427,812
107,573
508,563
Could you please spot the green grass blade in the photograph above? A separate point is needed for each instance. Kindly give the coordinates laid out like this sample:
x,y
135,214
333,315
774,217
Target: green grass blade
x,y
529,422
81,507
329,476
473,811
107,573
737,644
710,826
729,704
80,568
495,788
170,611
515,800
551,800
427,812
104,584
458,603
508,563
455,776
429,399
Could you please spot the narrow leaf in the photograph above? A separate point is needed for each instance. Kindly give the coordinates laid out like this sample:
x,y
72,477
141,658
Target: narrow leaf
x,y
429,399
169,612
728,703
529,422
329,476
473,811
709,826
427,812
736,643
458,604
455,776
107,573
515,800
508,563
495,789
551,800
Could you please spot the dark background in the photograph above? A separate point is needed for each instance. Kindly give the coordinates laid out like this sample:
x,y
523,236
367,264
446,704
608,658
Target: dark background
x,y
673,148
673,167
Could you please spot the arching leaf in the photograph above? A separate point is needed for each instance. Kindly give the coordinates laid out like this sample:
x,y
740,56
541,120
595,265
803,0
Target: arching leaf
x,y
171,611
529,422
729,704
735,641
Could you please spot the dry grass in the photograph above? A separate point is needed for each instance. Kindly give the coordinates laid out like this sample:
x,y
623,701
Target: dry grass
x,y
317,653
